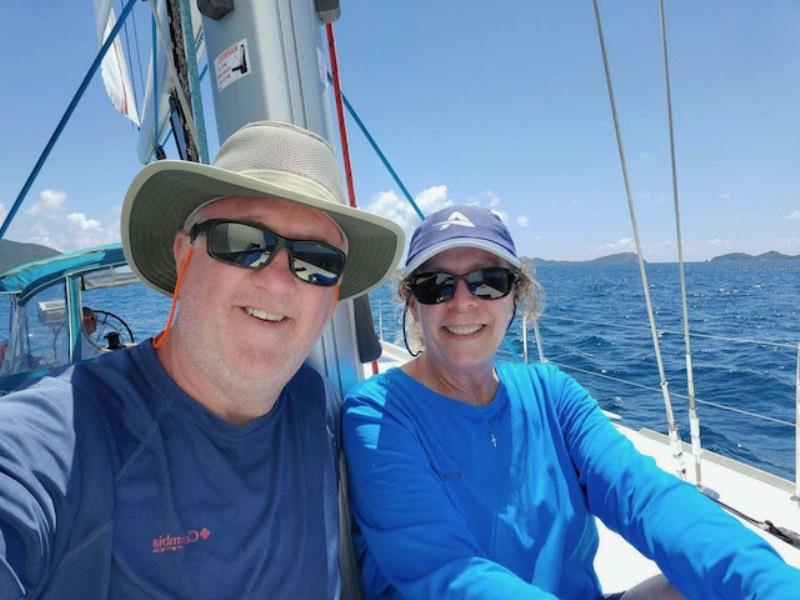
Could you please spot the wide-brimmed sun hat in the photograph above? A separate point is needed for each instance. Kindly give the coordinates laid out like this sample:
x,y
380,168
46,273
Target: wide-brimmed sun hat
x,y
265,158
460,226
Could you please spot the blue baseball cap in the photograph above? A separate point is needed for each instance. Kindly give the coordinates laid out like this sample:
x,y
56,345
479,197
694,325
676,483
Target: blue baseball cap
x,y
457,227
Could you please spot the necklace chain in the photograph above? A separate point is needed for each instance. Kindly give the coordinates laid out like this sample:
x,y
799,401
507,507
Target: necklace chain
x,y
492,437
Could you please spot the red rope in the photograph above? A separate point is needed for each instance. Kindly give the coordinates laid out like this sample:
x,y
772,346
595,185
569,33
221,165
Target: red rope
x,y
337,94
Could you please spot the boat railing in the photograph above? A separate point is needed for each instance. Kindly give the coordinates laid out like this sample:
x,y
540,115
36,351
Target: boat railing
x,y
661,331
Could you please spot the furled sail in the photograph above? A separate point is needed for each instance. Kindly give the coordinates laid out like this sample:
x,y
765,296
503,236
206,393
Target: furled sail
x,y
114,68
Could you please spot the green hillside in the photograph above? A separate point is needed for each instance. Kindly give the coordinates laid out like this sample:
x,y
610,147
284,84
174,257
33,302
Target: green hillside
x,y
13,253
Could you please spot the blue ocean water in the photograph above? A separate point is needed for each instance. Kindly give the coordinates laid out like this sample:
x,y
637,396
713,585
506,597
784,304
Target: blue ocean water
x,y
595,327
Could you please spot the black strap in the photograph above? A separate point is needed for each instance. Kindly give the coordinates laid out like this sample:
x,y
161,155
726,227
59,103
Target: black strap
x,y
787,535
369,346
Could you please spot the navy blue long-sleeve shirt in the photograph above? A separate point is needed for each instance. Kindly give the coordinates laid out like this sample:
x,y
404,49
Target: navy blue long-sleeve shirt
x,y
115,483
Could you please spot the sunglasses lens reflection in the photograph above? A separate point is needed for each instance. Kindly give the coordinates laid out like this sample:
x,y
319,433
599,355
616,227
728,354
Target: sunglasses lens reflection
x,y
253,247
440,286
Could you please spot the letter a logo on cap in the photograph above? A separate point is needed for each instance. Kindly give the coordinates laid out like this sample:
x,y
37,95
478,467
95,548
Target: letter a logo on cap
x,y
455,218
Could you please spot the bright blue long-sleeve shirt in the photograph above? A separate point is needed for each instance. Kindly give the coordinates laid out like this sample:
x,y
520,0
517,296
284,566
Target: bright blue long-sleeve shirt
x,y
114,483
443,513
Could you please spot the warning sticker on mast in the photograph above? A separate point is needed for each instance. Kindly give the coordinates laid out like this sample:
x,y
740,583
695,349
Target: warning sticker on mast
x,y
232,64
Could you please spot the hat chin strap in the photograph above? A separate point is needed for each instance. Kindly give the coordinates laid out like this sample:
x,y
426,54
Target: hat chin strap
x,y
161,338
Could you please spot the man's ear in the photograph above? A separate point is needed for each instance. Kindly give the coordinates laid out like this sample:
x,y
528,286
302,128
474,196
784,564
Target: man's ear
x,y
180,246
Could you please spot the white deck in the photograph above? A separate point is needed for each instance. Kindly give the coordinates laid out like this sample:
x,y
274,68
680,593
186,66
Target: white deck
x,y
755,493
758,494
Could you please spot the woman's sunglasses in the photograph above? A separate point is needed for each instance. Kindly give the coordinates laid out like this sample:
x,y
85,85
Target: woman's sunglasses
x,y
252,246
439,286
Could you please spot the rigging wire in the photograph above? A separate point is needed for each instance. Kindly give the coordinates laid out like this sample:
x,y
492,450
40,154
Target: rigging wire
x,y
397,179
673,394
123,65
782,533
138,56
675,441
723,338
694,420
380,153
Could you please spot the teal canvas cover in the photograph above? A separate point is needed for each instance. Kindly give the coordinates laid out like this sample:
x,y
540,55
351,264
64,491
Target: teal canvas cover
x,y
26,279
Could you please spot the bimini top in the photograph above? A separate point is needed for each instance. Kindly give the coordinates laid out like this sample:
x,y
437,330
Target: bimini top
x,y
29,278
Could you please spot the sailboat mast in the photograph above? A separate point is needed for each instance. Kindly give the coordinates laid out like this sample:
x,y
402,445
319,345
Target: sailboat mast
x,y
266,62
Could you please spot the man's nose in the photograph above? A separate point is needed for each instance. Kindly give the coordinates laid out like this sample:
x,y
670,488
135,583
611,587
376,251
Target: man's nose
x,y
277,270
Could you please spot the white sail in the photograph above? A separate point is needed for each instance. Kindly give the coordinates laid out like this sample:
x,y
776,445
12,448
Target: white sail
x,y
114,68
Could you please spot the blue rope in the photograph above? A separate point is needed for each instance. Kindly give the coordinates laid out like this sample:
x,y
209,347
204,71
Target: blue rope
x,y
380,154
66,116
394,175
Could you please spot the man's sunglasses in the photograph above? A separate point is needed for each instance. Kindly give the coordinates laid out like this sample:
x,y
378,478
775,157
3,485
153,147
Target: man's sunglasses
x,y
252,246
439,286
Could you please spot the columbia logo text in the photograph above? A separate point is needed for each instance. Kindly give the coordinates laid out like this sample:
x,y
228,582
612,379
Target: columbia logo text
x,y
179,542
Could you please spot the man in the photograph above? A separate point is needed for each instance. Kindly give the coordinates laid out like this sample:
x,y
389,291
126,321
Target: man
x,y
201,464
89,349
89,321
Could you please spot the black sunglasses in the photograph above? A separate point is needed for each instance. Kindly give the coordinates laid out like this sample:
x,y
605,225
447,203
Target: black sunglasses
x,y
252,246
440,286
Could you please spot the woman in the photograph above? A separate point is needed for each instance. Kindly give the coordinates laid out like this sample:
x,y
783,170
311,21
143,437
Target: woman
x,y
474,478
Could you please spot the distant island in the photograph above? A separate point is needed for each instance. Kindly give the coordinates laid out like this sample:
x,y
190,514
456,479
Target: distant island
x,y
13,254
620,258
627,258
772,255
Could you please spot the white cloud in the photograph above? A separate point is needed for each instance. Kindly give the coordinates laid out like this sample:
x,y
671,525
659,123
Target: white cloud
x,y
523,221
620,243
724,196
50,204
45,223
2,212
794,215
717,242
432,199
390,205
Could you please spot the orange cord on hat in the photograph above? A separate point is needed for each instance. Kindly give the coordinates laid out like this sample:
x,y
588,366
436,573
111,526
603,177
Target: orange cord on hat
x,y
162,337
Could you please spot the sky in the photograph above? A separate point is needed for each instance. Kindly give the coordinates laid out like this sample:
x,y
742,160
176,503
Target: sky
x,y
502,104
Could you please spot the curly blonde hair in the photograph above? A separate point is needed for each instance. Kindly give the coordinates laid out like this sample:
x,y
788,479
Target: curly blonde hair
x,y
529,301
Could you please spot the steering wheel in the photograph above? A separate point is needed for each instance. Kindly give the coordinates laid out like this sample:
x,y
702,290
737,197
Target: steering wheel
x,y
108,322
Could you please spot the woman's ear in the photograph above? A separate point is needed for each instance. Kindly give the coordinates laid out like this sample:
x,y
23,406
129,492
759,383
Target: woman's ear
x,y
413,305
